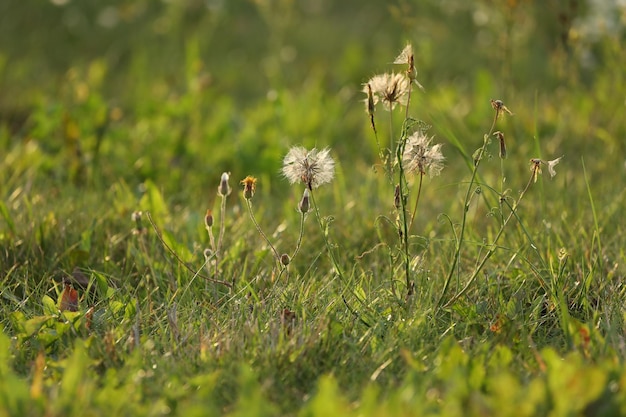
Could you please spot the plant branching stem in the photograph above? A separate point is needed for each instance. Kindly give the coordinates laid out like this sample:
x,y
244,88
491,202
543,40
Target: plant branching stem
x,y
468,194
158,233
493,245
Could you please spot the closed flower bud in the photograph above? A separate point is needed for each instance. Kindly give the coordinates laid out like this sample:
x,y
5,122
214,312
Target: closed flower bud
x,y
284,259
224,188
305,203
208,219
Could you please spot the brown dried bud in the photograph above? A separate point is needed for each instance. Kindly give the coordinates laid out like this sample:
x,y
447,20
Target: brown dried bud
x,y
396,198
208,219
284,259
500,136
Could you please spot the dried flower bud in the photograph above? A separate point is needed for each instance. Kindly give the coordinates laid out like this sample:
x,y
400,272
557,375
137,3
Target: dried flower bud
x,y
208,219
396,197
249,187
224,188
305,203
500,136
499,107
284,259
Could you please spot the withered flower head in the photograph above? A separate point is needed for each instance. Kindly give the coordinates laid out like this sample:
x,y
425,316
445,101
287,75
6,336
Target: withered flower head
x,y
500,108
249,187
390,88
535,166
406,57
313,168
421,157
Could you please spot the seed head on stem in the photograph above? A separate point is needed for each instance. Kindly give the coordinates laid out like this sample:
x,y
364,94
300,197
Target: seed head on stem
x,y
313,168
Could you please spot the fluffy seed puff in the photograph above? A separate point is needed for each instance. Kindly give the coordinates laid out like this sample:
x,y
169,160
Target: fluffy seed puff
x,y
313,168
420,157
390,88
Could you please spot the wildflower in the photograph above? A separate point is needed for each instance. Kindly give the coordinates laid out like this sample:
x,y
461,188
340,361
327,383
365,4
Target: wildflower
x,y
420,157
224,188
407,57
249,187
390,89
305,203
284,259
535,166
499,107
312,168
500,136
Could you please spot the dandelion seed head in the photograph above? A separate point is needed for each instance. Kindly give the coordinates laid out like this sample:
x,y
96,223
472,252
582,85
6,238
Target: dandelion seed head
x,y
313,168
421,157
391,89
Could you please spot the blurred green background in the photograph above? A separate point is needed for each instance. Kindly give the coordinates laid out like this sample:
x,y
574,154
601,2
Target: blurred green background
x,y
178,91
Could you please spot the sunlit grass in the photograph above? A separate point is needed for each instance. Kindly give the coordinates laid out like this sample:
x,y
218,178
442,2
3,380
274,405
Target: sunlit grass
x,y
504,296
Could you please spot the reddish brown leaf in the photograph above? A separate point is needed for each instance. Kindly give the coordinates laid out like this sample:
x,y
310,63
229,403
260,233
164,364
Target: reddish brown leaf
x,y
69,299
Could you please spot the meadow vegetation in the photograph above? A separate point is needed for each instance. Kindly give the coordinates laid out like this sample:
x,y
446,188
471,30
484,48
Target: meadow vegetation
x,y
312,208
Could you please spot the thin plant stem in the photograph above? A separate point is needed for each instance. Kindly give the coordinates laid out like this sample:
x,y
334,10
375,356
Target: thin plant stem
x,y
183,263
329,249
214,249
258,228
222,224
466,201
493,245
417,199
402,184
299,242
391,147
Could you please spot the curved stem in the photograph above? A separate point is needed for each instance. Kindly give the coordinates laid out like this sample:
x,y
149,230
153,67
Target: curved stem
x,y
299,242
417,199
258,228
402,184
222,224
493,247
457,252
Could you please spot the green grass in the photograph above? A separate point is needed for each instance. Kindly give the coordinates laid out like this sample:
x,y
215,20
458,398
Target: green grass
x,y
98,123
